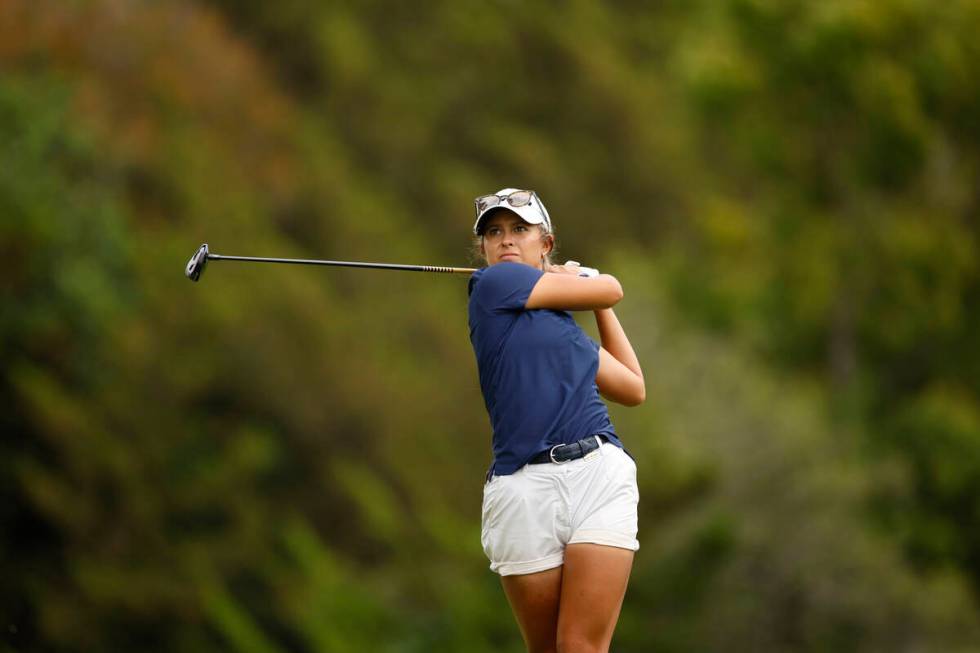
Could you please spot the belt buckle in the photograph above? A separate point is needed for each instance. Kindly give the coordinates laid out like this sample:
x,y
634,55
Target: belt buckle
x,y
551,455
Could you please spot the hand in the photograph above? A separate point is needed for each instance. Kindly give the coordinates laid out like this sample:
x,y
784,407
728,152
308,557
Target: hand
x,y
573,267
567,268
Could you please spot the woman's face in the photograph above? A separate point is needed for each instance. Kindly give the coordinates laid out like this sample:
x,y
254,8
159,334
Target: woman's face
x,y
506,237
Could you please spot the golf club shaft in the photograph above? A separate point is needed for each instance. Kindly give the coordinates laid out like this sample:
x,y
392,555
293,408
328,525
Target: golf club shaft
x,y
347,264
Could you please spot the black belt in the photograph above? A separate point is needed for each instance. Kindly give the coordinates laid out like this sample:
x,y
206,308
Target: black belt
x,y
562,453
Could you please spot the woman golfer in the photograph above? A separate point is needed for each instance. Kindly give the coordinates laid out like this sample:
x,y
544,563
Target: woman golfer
x,y
559,503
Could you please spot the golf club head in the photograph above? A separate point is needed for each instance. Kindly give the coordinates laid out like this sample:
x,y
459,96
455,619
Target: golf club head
x,y
195,266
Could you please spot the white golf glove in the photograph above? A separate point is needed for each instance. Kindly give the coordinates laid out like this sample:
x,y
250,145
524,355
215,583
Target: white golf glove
x,y
582,271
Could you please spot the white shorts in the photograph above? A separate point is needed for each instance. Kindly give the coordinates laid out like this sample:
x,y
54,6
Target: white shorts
x,y
529,516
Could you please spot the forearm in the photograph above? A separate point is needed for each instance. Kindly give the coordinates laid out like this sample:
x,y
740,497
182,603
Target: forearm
x,y
614,340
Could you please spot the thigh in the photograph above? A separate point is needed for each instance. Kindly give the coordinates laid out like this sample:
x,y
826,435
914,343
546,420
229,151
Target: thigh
x,y
534,599
593,585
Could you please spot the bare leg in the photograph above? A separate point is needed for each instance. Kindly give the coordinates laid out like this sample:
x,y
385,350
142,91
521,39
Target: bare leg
x,y
592,589
534,600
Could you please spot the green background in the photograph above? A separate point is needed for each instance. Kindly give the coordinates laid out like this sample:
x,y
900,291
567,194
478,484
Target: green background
x,y
285,459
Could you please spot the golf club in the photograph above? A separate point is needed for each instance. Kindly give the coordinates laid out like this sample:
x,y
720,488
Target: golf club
x,y
195,266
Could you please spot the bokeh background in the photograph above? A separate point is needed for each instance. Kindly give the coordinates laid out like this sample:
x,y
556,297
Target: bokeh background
x,y
285,459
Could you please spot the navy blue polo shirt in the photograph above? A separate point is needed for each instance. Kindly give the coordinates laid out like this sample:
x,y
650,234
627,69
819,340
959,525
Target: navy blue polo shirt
x,y
537,369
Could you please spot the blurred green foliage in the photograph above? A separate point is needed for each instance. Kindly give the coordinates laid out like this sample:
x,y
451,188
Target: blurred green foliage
x,y
292,459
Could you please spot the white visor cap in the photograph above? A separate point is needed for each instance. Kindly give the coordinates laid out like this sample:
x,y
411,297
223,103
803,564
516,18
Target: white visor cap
x,y
533,212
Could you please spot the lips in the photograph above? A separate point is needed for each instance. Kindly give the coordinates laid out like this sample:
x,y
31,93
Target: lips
x,y
514,254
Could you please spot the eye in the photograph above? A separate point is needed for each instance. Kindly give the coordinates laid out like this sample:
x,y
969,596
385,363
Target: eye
x,y
520,227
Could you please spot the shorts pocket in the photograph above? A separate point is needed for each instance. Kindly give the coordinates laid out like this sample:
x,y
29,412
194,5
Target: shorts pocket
x,y
489,489
617,465
620,473
491,493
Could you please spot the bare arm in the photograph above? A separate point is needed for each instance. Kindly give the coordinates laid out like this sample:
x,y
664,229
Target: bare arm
x,y
563,290
619,378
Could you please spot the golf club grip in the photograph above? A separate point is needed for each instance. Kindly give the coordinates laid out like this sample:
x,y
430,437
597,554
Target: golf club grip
x,y
452,270
347,264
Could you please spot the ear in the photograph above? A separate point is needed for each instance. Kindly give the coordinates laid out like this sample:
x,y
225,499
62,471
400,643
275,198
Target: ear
x,y
551,243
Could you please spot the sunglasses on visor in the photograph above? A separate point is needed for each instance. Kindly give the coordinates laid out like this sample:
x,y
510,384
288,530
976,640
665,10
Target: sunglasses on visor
x,y
515,199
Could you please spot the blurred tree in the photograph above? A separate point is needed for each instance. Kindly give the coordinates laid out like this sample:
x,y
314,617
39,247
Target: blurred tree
x,y
64,262
838,237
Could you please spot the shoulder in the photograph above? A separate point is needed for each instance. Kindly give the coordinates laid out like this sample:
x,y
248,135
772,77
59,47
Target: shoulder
x,y
505,275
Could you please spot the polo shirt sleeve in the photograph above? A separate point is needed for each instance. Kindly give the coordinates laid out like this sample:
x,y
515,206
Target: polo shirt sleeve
x,y
504,286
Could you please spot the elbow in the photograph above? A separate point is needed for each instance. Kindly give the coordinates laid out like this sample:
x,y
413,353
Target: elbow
x,y
633,394
629,396
614,293
638,392
637,396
